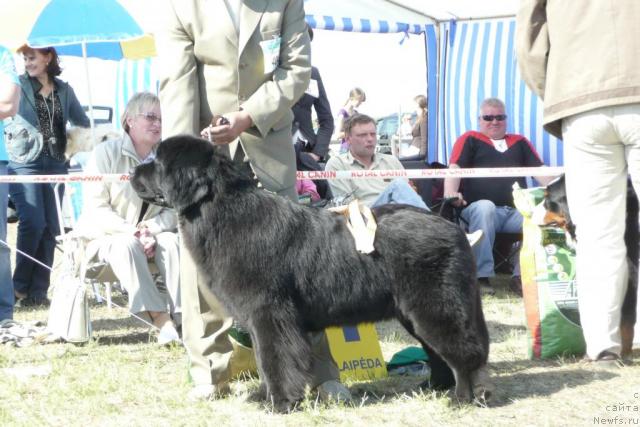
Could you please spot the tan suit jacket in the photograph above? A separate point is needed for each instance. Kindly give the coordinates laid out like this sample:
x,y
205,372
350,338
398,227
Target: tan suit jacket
x,y
579,56
207,69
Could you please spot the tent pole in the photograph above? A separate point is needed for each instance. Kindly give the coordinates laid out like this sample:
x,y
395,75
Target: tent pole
x,y
86,75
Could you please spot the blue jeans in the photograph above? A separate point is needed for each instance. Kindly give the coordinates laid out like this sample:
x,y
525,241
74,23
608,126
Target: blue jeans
x,y
38,225
399,191
491,219
6,284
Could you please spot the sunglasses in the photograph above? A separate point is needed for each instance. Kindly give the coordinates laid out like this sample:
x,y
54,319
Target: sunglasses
x,y
491,117
151,118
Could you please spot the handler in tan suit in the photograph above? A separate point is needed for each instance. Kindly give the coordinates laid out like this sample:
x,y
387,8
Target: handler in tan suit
x,y
247,60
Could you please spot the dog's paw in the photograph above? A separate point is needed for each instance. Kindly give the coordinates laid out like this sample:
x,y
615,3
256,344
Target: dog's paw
x,y
282,406
483,387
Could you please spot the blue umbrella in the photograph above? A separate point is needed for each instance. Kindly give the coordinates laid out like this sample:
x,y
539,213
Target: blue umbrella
x,y
42,23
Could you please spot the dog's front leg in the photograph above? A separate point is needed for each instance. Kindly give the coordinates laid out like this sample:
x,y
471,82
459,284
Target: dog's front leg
x,y
283,356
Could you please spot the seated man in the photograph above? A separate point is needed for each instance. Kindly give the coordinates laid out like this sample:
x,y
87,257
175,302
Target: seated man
x,y
125,232
488,202
360,133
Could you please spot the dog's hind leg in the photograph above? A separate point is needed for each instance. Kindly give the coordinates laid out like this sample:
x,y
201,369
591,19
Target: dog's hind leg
x,y
441,375
448,337
283,356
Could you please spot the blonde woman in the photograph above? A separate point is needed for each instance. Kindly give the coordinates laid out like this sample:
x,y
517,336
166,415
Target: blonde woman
x,y
125,232
356,98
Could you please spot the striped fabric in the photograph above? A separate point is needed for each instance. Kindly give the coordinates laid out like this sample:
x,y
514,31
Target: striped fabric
x,y
133,76
477,62
364,16
362,25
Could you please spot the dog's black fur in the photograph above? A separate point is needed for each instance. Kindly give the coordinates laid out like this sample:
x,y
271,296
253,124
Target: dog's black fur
x,y
284,270
555,203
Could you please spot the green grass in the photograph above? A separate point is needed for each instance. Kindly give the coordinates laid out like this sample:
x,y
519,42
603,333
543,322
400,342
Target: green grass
x,y
122,378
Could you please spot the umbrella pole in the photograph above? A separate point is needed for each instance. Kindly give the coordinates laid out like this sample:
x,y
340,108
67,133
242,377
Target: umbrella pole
x,y
86,74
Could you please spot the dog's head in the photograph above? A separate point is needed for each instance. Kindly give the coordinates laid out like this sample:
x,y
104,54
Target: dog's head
x,y
186,171
556,207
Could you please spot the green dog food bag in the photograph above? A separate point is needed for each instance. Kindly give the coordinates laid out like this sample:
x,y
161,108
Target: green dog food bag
x,y
550,295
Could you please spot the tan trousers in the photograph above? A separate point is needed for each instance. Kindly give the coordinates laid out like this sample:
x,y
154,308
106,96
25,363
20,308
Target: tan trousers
x,y
601,147
126,257
205,328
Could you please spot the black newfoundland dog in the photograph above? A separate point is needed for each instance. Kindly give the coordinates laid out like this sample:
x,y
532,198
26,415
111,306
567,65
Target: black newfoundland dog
x,y
284,270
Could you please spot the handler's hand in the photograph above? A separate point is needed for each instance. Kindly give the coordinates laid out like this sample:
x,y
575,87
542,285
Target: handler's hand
x,y
239,121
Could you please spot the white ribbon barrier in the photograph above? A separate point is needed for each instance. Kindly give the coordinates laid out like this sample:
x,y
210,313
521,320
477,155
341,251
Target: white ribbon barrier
x,y
328,175
113,177
433,173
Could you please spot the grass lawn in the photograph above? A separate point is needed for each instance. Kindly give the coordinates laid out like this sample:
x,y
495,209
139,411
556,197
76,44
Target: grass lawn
x,y
122,378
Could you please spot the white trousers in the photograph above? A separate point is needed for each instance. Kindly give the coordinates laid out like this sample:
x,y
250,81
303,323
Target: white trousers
x,y
600,148
125,255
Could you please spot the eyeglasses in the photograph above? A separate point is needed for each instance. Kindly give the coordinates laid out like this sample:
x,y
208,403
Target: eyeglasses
x,y
491,117
151,117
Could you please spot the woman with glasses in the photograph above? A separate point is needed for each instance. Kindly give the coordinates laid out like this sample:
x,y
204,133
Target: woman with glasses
x,y
127,233
47,104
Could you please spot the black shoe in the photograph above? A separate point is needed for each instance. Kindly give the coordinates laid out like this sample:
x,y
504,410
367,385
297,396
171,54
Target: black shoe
x,y
515,285
485,286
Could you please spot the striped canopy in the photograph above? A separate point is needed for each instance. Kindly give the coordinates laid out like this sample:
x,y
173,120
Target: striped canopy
x,y
470,56
366,16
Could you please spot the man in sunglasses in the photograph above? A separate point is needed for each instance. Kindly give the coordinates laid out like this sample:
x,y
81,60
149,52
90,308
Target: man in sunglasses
x,y
488,202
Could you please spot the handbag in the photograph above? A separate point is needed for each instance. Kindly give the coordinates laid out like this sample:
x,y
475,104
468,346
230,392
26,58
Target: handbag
x,y
23,141
69,316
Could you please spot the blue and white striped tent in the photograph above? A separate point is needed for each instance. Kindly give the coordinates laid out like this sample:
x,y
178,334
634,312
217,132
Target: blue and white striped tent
x,y
133,76
477,62
468,59
364,16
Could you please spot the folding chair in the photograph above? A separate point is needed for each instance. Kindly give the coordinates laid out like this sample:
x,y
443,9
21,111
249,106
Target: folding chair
x,y
505,248
69,208
424,187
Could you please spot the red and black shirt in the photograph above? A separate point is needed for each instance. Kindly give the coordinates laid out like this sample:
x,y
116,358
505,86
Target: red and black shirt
x,y
476,150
